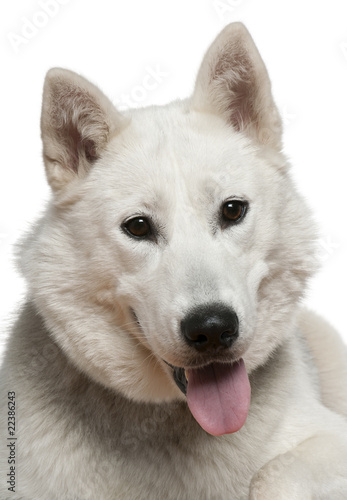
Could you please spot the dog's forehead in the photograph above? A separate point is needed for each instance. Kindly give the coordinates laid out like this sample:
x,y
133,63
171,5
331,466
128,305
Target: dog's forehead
x,y
167,147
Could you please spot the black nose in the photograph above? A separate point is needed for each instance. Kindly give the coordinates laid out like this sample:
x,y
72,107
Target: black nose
x,y
210,327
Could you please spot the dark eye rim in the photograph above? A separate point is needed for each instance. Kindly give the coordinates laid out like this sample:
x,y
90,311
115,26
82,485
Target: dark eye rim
x,y
148,236
151,235
225,222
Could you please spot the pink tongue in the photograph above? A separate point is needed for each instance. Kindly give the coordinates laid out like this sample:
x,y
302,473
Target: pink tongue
x,y
218,396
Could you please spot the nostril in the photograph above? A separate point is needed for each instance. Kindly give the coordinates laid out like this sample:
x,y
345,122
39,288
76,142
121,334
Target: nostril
x,y
228,337
201,339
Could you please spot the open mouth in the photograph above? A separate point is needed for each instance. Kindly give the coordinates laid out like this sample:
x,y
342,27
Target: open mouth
x,y
218,395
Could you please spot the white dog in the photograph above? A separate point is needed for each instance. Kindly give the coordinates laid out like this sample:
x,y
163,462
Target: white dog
x,y
162,352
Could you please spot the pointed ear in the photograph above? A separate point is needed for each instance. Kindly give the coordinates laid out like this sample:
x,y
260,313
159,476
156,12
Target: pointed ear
x,y
77,121
233,82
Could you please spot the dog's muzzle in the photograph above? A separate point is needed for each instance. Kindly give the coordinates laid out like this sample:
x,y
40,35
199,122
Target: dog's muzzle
x,y
209,329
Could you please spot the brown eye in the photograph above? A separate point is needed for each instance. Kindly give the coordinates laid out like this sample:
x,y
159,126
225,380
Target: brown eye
x,y
233,211
139,227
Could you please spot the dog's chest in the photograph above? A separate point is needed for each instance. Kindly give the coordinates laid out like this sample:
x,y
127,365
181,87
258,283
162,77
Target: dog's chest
x,y
168,454
206,469
156,455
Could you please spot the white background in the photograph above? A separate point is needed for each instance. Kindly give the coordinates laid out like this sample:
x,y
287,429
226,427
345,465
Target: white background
x,y
304,45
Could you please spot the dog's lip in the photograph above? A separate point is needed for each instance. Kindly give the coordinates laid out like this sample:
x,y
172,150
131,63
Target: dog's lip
x,y
180,377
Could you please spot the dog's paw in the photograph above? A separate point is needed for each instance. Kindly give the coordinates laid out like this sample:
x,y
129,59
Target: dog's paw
x,y
273,483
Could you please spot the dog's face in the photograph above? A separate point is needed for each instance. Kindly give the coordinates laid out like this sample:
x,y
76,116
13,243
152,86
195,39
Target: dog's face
x,y
175,240
191,213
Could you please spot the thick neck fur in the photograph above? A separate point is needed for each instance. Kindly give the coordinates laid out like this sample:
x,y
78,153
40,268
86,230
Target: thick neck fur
x,y
62,408
36,358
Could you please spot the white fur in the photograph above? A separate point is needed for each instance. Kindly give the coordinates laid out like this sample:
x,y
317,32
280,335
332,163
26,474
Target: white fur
x,y
99,415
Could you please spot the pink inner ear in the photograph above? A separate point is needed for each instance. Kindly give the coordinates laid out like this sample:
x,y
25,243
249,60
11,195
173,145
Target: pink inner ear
x,y
90,150
79,122
76,147
240,114
71,138
234,85
76,122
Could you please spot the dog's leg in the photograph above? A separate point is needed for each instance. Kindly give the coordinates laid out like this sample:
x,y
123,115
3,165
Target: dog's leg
x,y
314,470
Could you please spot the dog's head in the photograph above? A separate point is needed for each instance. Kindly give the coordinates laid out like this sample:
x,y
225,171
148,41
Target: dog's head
x,y
176,245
